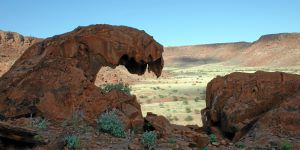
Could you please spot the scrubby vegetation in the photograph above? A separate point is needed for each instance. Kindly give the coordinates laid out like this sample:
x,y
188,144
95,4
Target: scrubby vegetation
x,y
213,138
119,86
149,139
240,145
172,140
189,118
73,142
76,122
286,145
204,148
41,124
109,122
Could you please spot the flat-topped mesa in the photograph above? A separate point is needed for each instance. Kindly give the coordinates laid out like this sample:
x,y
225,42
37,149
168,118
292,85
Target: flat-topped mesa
x,y
57,75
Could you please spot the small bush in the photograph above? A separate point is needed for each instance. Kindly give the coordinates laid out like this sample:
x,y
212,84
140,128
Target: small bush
x,y
161,105
197,111
175,118
185,102
109,122
286,146
172,140
39,123
149,139
197,99
73,142
213,138
174,91
240,145
188,110
120,86
42,124
204,148
189,118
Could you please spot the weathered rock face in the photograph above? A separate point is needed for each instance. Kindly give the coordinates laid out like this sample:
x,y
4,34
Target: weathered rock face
x,y
14,40
12,46
267,103
54,77
281,124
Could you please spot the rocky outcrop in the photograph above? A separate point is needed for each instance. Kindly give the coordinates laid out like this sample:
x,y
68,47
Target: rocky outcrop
x,y
166,130
15,41
12,46
55,77
258,105
278,126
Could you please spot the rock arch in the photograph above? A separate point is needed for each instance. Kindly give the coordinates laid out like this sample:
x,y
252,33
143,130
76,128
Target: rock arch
x,y
55,76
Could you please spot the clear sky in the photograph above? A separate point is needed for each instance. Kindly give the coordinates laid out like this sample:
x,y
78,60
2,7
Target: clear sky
x,y
171,22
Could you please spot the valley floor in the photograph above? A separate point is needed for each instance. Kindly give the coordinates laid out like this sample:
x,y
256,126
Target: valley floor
x,y
181,96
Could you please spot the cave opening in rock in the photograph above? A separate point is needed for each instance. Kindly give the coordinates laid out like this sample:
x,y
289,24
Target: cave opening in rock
x,y
132,65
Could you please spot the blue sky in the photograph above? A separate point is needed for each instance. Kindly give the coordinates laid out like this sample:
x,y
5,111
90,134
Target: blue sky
x,y
171,22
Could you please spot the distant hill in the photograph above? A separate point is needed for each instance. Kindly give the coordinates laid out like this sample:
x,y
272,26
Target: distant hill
x,y
281,49
277,50
202,54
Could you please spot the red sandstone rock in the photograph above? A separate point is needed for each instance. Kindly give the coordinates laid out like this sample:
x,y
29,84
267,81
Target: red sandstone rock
x,y
167,130
55,77
267,103
281,124
15,41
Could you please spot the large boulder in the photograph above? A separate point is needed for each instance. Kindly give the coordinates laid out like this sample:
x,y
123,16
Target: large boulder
x,y
55,77
267,103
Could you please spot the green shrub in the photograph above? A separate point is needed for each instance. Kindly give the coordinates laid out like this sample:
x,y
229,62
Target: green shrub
x,y
161,105
213,138
185,102
197,99
204,148
240,145
42,124
149,139
119,86
39,123
189,118
286,146
109,122
188,110
73,142
172,140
